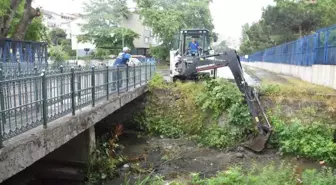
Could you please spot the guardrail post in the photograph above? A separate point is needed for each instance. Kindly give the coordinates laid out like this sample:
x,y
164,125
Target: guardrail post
x,y
36,94
146,72
107,82
118,80
73,93
79,84
62,91
140,74
93,84
44,99
134,77
127,76
3,115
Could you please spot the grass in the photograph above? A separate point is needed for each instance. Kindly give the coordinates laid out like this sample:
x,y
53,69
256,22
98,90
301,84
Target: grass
x,y
264,175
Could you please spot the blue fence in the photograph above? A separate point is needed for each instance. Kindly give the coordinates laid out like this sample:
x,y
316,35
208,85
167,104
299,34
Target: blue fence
x,y
12,51
318,48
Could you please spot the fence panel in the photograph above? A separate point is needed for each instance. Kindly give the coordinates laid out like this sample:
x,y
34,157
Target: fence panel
x,y
318,48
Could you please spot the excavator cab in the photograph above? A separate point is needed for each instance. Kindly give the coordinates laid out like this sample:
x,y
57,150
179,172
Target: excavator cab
x,y
180,47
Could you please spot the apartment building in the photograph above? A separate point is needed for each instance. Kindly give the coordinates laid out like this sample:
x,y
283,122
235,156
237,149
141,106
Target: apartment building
x,y
72,23
146,36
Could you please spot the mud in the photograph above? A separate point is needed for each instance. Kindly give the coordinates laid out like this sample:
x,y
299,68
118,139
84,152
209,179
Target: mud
x,y
175,159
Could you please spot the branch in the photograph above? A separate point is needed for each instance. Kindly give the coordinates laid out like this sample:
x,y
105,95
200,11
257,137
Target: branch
x,y
8,18
28,15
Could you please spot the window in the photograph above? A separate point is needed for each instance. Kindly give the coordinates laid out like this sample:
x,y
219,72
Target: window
x,y
146,40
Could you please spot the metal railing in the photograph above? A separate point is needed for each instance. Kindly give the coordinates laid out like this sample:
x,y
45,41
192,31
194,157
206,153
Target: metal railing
x,y
318,48
33,100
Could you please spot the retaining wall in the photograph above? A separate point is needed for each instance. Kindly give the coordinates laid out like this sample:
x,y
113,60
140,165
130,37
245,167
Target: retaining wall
x,y
317,74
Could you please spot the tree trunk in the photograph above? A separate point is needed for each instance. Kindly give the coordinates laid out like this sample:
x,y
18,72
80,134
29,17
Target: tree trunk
x,y
28,15
300,30
6,21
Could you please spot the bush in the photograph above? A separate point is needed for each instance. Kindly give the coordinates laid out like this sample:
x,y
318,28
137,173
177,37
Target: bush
x,y
171,110
313,140
187,109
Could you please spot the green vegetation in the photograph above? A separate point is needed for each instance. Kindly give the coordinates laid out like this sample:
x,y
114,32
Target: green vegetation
x,y
285,21
313,140
103,160
214,114
303,116
270,175
20,21
103,27
194,110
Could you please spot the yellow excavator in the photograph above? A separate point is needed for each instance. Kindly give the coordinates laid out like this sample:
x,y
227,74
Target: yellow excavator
x,y
185,64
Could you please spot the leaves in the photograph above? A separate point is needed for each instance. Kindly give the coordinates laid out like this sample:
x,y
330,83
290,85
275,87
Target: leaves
x,y
103,24
285,21
312,140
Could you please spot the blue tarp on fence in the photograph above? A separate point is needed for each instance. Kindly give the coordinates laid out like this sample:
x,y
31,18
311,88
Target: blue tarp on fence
x,y
318,48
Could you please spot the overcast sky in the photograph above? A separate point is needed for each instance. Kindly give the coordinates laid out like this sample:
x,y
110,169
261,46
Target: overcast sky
x,y
228,15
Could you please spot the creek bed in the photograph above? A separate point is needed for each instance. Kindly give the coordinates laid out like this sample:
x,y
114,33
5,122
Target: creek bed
x,y
176,159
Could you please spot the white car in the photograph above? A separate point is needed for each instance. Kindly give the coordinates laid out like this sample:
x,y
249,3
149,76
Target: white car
x,y
134,62
131,62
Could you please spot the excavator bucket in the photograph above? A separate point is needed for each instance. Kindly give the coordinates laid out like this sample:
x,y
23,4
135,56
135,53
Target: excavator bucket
x,y
259,143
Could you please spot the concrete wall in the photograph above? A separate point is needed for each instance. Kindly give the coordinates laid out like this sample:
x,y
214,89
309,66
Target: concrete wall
x,y
77,149
317,74
22,151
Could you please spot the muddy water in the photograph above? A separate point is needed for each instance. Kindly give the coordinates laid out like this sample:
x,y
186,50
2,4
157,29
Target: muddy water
x,y
175,159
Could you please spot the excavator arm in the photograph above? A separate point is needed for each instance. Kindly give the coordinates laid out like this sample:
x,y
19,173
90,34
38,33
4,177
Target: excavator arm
x,y
190,66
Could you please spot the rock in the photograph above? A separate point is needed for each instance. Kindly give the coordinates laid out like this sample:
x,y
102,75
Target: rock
x,y
169,147
126,166
239,155
240,149
279,153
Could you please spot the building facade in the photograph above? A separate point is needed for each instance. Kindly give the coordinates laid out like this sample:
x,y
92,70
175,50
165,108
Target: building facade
x,y
146,37
72,23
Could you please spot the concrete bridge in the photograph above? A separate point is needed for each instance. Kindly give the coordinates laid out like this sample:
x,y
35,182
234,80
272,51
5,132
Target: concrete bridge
x,y
41,113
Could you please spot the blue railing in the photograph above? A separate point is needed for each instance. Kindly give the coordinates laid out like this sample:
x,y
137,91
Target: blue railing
x,y
12,51
318,48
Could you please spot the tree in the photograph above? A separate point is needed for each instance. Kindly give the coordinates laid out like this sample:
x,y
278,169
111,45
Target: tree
x,y
15,18
222,46
289,18
326,9
103,24
58,37
58,55
168,17
285,21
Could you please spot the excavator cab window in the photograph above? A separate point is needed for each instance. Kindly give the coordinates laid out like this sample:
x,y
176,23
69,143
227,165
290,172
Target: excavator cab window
x,y
201,36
